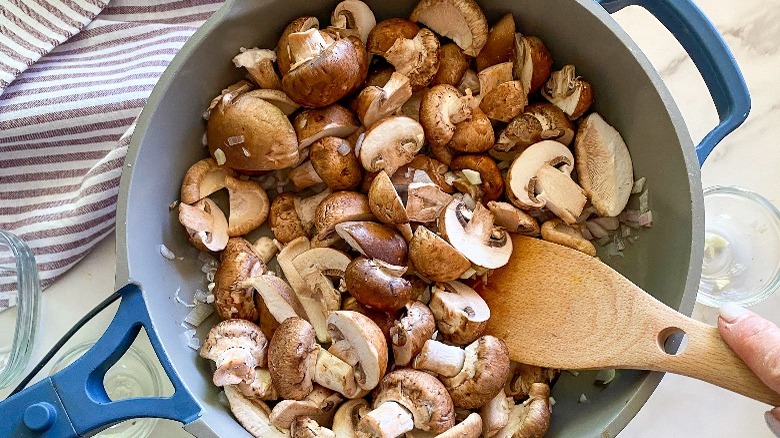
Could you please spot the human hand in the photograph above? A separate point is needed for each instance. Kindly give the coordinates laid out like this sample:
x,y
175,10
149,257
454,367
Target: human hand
x,y
757,342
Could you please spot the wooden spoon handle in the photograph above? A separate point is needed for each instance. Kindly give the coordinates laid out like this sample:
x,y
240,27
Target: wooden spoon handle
x,y
707,357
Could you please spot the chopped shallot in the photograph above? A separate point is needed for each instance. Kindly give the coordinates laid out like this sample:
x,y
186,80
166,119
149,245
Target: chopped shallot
x,y
344,149
198,314
235,139
167,253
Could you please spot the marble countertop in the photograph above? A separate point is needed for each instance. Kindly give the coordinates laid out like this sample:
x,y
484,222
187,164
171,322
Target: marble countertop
x,y
749,158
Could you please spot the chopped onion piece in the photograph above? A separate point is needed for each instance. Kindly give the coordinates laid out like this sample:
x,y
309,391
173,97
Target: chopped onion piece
x,y
608,223
473,176
583,398
219,155
613,250
470,272
180,301
574,373
552,401
359,144
189,338
198,314
167,253
625,230
450,177
596,230
211,286
644,202
245,151
344,149
605,376
235,139
639,186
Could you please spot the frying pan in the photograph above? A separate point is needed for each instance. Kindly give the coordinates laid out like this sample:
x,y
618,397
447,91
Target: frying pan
x,y
665,261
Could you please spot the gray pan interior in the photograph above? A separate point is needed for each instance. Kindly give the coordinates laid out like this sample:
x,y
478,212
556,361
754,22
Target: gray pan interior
x,y
666,261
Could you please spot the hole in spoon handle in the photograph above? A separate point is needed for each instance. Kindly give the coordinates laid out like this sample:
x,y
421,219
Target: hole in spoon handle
x,y
672,341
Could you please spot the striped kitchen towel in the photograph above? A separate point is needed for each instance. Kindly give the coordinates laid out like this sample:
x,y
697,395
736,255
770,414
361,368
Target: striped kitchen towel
x,y
74,75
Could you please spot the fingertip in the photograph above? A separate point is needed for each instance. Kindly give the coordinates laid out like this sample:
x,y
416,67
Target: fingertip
x,y
730,312
773,421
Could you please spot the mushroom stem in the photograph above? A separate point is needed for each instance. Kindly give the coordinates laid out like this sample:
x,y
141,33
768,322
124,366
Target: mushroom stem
x,y
481,222
445,360
388,420
305,176
333,373
406,231
305,45
234,365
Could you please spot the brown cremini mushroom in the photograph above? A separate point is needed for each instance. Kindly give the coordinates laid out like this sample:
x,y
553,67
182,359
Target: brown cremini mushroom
x,y
374,241
306,427
434,258
485,369
335,162
249,205
532,61
375,103
416,58
202,179
453,64
347,417
278,98
513,219
390,143
283,218
233,298
386,32
252,414
261,387
572,94
495,414
505,101
470,427
336,208
386,204
330,121
460,20
500,43
522,377
474,234
205,224
491,180
473,135
539,121
237,347
425,202
301,24
406,399
557,231
259,63
320,405
358,341
530,418
354,15
433,169
415,326
441,108
460,312
317,267
277,296
377,284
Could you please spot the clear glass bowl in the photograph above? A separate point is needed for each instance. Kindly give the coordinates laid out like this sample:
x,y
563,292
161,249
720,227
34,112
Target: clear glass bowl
x,y
134,375
21,288
742,247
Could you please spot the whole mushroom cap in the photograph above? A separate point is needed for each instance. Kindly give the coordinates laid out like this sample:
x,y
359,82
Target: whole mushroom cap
x,y
434,258
335,162
384,34
252,134
376,286
484,373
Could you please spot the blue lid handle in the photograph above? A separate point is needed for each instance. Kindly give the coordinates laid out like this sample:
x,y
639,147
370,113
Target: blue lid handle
x,y
74,402
712,57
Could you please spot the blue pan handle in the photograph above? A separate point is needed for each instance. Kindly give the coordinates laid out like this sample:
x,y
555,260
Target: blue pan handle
x,y
712,57
74,402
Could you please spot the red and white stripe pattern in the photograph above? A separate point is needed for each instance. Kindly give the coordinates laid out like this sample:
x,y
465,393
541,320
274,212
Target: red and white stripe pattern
x,y
67,111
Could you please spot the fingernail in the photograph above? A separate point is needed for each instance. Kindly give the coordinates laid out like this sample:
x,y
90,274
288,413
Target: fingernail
x,y
732,312
773,421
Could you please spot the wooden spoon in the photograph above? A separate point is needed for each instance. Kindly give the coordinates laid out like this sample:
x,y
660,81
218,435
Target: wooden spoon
x,y
559,308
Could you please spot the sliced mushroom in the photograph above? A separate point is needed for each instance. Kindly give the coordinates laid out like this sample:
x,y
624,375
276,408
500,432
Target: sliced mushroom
x,y
406,399
460,312
260,65
475,236
500,43
557,231
425,202
360,342
306,209
284,220
374,241
330,121
249,206
278,98
354,14
604,165
453,64
470,427
473,135
493,76
305,427
442,107
386,32
383,320
232,297
316,267
540,121
320,405
485,369
261,387
237,347
533,62
531,417
347,417
323,71
206,225
568,92
378,285
413,328
534,181
505,101
460,20
278,297
495,414
252,414
249,134
434,258
301,24
513,219
491,180
339,207
202,179
386,204
523,376
390,143
311,305
433,169
375,103
417,58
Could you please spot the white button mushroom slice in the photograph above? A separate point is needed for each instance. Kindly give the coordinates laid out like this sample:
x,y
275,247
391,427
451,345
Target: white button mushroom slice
x,y
354,14
470,427
347,417
320,405
305,427
460,312
531,417
375,103
206,225
252,414
441,108
460,20
237,347
278,98
557,231
476,237
233,298
513,219
534,182
366,342
442,359
406,399
410,332
434,258
330,121
568,92
425,202
386,204
260,65
495,414
338,207
278,297
485,369
261,387
532,61
202,179
416,58
249,206
603,165
390,143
